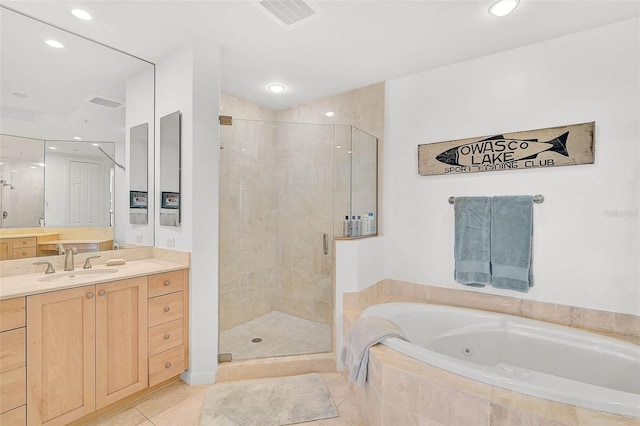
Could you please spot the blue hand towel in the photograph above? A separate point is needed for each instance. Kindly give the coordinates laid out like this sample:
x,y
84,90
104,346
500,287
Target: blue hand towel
x,y
472,246
511,230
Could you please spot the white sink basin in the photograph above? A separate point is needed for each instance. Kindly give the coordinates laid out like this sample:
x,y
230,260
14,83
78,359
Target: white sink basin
x,y
79,274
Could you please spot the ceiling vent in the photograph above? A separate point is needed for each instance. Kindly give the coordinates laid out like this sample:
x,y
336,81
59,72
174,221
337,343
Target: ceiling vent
x,y
105,102
289,13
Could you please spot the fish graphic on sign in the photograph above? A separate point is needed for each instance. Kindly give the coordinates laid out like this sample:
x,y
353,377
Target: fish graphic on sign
x,y
498,149
541,148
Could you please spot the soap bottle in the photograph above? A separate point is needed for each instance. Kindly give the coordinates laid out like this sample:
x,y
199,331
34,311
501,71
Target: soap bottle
x,y
358,227
372,224
346,227
365,224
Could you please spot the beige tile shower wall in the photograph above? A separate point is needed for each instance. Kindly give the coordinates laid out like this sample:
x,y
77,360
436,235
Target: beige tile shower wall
x,y
362,108
304,179
248,213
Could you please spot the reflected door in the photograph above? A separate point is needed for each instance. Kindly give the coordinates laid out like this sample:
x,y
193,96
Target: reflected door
x,y
85,194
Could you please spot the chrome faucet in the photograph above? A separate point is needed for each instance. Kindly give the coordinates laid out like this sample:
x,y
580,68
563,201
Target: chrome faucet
x,y
87,262
68,259
49,270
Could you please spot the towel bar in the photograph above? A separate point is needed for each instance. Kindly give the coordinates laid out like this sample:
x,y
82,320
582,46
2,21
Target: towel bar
x,y
538,199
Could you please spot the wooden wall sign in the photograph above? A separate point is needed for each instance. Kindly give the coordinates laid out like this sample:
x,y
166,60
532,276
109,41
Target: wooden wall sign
x,y
552,147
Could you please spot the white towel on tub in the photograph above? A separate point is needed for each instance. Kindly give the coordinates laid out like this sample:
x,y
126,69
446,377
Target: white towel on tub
x,y
365,332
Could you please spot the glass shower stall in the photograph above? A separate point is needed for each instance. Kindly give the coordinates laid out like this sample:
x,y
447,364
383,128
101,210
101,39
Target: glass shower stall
x,y
284,191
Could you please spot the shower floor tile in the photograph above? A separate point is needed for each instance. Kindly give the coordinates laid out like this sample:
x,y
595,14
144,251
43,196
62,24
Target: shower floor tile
x,y
281,334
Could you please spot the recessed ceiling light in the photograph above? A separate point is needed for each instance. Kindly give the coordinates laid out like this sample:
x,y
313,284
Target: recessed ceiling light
x,y
52,147
95,144
82,14
503,7
338,146
54,43
78,138
20,95
276,88
330,114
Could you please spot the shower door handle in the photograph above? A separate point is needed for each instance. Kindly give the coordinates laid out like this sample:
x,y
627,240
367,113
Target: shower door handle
x,y
325,243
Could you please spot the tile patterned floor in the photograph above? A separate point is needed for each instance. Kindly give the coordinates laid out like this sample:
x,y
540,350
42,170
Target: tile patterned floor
x,y
180,405
281,334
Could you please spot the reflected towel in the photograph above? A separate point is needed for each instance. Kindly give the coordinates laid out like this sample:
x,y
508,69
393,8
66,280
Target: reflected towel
x,y
472,246
511,237
365,332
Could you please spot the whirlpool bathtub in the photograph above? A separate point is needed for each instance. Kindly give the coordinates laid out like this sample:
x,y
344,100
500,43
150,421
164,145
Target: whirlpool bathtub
x,y
527,356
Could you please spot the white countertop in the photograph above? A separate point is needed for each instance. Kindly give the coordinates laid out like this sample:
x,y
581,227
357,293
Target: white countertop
x,y
28,284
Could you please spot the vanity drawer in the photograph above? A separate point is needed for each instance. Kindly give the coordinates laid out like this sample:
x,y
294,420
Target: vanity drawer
x,y
12,313
166,365
166,283
165,336
15,417
23,242
12,349
165,308
23,252
13,389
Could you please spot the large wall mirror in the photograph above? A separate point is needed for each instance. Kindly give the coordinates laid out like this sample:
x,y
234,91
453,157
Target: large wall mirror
x,y
75,141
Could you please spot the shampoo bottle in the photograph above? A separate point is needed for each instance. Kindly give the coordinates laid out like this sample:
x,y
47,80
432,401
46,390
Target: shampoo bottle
x,y
346,227
372,224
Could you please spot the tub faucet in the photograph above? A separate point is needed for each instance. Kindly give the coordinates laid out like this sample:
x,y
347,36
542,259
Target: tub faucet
x,y
68,259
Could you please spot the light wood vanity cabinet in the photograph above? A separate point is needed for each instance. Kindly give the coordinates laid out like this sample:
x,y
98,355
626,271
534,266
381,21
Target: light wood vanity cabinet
x,y
91,346
121,339
5,249
61,348
23,247
168,325
13,375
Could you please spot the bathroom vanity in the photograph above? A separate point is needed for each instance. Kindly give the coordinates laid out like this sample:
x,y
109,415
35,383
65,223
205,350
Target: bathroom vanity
x,y
74,343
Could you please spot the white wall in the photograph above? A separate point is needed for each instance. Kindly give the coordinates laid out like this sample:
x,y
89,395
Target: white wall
x,y
188,81
586,233
359,264
140,110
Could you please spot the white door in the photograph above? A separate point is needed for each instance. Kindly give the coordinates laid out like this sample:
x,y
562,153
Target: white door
x,y
86,201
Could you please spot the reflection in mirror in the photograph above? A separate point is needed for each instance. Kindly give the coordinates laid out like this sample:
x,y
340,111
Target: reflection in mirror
x,y
138,195
78,183
22,182
170,170
86,92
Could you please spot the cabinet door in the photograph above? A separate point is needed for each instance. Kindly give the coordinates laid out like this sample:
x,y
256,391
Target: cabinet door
x,y
5,249
121,339
60,356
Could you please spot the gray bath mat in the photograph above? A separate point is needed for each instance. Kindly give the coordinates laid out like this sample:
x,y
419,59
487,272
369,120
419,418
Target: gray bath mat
x,y
268,402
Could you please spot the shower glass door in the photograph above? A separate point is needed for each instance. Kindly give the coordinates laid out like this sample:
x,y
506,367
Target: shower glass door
x,y
276,222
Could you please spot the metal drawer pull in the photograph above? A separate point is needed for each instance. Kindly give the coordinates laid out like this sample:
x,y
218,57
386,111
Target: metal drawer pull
x,y
167,283
167,365
167,309
89,295
167,336
102,292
